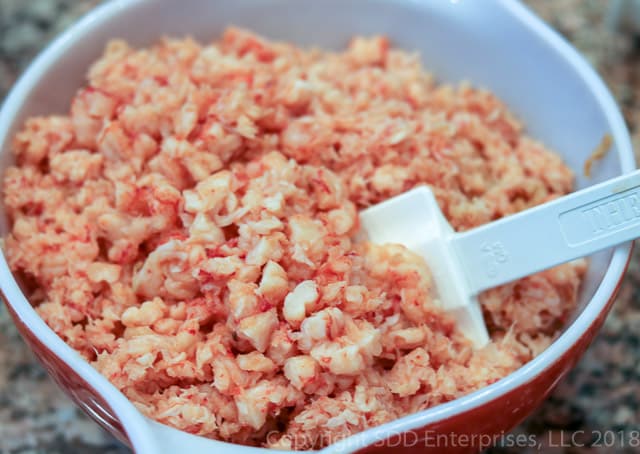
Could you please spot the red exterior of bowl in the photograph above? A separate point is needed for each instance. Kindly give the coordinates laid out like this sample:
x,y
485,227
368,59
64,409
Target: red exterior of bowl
x,y
74,386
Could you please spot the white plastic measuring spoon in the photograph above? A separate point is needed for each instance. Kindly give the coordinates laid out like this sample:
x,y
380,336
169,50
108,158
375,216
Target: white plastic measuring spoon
x,y
464,264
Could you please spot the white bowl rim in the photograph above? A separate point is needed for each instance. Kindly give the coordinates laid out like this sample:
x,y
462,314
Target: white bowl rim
x,y
134,423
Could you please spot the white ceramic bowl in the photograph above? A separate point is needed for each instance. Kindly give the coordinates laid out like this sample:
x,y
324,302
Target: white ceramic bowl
x,y
497,44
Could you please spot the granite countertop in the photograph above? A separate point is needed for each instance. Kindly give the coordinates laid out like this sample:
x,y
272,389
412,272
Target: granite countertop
x,y
601,394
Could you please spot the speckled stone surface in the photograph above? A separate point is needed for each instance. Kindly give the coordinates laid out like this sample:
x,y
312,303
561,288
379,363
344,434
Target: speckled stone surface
x,y
601,396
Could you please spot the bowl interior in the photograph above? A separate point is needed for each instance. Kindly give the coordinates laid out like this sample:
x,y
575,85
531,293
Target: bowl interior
x,y
540,84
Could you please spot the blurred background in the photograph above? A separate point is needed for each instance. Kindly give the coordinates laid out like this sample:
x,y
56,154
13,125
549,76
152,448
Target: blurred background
x,y
601,394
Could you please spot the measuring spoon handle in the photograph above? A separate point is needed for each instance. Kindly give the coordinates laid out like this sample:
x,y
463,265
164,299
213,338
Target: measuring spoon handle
x,y
576,225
